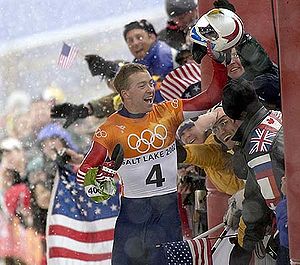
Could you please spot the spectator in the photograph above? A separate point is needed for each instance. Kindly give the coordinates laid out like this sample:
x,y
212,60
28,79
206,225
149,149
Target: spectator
x,y
261,155
142,42
149,203
211,156
181,13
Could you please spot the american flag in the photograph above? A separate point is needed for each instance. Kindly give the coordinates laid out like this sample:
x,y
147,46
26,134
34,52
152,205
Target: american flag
x,y
79,231
67,56
179,80
261,140
189,252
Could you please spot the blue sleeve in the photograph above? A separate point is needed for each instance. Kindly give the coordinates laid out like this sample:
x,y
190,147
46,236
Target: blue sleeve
x,y
282,223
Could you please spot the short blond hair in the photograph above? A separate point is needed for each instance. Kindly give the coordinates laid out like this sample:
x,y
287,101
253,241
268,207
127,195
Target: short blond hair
x,y
121,79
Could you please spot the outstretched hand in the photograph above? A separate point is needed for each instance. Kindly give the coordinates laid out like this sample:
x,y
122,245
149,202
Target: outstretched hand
x,y
100,66
70,112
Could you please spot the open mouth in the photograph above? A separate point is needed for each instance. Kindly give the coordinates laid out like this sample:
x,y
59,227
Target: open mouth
x,y
149,99
191,141
234,69
227,138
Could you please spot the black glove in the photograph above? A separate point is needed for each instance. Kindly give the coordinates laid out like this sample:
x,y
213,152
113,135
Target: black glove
x,y
181,152
99,66
224,4
70,112
198,52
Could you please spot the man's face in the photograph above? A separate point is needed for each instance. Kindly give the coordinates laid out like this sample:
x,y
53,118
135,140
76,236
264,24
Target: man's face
x,y
235,69
224,129
192,136
183,21
139,42
139,96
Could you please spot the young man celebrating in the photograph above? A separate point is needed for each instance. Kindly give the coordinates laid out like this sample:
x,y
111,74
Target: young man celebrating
x,y
146,131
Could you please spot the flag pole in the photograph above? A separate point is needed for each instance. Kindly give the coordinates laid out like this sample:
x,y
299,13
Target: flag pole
x,y
210,231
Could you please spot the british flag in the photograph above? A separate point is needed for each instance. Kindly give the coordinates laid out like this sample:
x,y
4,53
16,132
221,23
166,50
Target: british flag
x,y
261,140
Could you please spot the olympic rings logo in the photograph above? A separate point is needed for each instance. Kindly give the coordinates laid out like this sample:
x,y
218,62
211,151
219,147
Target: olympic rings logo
x,y
175,103
100,133
143,143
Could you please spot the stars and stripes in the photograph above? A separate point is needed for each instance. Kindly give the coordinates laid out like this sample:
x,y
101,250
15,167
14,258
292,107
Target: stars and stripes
x,y
190,252
179,80
261,140
67,56
79,231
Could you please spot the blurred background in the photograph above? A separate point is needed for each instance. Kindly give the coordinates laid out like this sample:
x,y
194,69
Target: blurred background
x,y
32,33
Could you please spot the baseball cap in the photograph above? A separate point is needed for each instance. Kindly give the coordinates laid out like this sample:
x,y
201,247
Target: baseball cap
x,y
175,8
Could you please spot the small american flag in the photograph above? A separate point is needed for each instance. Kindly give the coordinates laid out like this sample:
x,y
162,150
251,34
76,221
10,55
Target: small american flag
x,y
189,252
79,231
178,81
67,56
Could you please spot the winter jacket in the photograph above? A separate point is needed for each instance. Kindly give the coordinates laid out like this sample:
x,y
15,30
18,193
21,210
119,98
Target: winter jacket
x,y
259,160
159,59
216,163
172,36
254,58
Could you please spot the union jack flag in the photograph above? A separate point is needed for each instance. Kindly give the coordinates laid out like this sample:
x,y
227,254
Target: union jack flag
x,y
261,140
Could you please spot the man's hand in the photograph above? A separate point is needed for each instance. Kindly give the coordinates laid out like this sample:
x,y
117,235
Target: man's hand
x,y
220,57
109,168
198,52
70,112
234,212
100,66
224,4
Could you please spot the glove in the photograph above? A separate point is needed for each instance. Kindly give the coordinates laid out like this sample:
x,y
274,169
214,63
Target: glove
x,y
234,212
99,66
224,4
219,57
198,52
106,170
70,112
98,182
109,168
181,152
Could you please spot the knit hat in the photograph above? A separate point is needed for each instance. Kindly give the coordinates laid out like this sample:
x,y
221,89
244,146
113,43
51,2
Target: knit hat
x,y
267,87
142,24
239,98
175,8
184,126
53,130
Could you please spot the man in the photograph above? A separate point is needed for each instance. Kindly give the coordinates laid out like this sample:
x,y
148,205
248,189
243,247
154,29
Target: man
x,y
143,44
260,159
181,13
146,131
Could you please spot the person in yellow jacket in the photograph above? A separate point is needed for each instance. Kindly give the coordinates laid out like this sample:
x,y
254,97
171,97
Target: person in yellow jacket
x,y
211,156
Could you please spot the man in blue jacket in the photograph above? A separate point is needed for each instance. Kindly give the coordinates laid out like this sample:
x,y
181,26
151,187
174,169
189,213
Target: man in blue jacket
x,y
143,44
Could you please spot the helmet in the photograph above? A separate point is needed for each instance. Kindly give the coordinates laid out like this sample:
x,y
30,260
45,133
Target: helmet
x,y
222,27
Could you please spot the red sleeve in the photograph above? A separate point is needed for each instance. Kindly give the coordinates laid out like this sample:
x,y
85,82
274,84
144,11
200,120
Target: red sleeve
x,y
212,95
94,158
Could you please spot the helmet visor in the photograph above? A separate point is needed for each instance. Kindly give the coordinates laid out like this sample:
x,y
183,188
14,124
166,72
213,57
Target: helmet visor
x,y
208,32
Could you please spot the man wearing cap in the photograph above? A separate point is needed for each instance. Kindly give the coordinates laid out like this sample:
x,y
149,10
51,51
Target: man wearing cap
x,y
181,13
260,158
143,44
